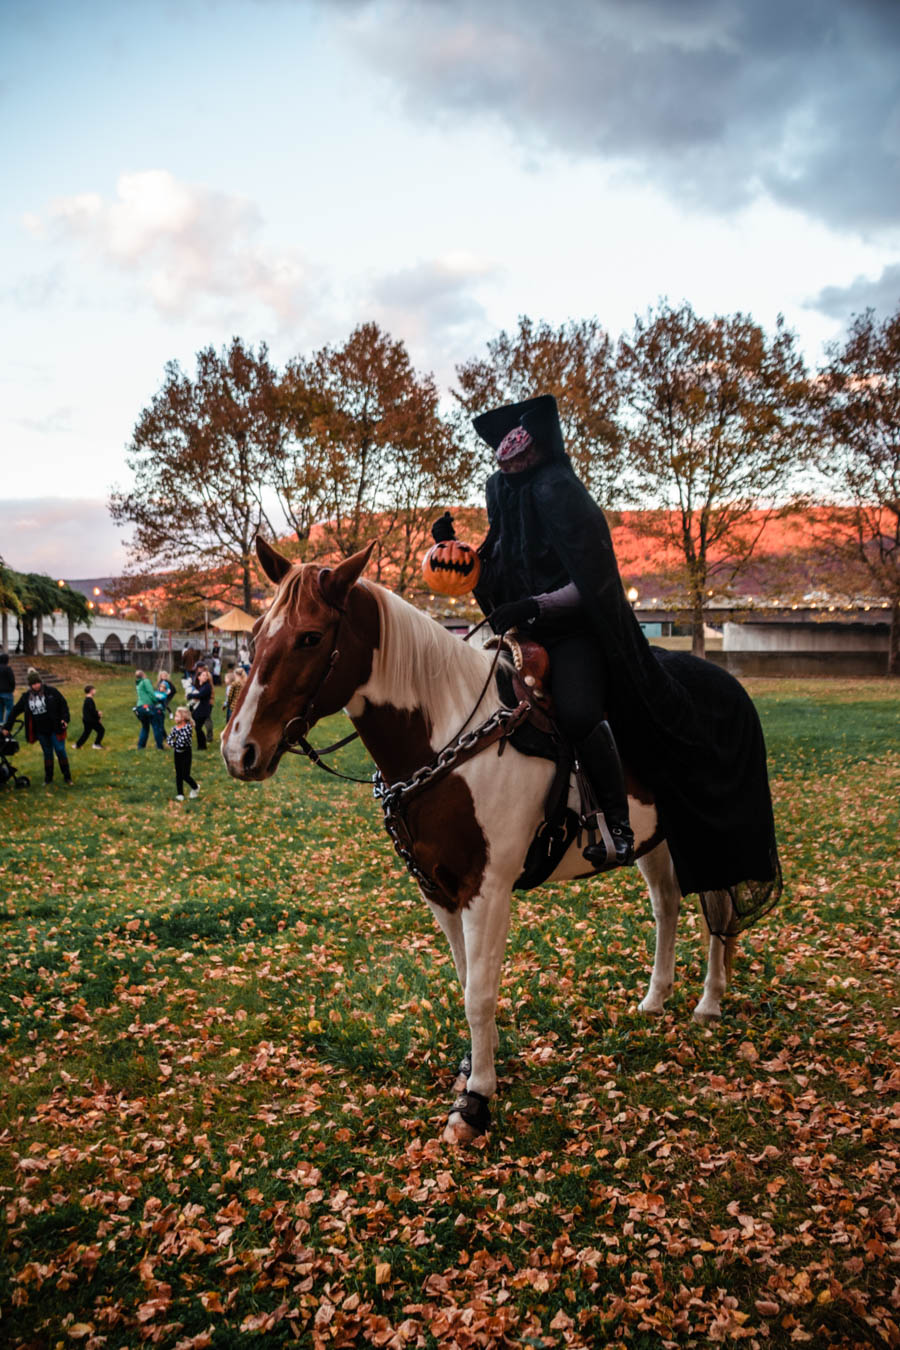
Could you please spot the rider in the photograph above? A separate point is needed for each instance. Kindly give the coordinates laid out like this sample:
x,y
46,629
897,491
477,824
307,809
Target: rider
x,y
548,569
687,728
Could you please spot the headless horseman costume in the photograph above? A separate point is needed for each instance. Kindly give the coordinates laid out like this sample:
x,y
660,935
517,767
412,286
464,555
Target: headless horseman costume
x,y
686,727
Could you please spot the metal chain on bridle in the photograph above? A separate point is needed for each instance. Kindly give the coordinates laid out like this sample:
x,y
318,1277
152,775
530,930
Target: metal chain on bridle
x,y
394,797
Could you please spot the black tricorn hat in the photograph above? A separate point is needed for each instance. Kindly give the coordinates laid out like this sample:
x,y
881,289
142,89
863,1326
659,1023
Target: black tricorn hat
x,y
539,416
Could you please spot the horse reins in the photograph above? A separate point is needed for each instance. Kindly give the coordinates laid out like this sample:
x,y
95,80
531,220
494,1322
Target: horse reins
x,y
299,745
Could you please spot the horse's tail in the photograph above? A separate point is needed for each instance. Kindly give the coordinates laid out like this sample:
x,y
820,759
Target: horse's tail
x,y
730,943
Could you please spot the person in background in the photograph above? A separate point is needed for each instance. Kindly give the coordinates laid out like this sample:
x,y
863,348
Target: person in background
x,y
46,719
201,698
165,689
150,711
92,721
244,657
235,681
180,738
7,687
215,661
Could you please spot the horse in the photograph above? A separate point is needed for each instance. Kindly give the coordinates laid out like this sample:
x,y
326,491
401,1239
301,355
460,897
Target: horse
x,y
332,640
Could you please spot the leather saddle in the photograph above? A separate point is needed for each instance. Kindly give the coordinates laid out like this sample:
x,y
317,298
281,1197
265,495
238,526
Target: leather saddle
x,y
530,677
528,682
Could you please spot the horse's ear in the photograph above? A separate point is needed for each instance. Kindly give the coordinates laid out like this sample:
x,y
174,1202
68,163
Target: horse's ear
x,y
336,584
273,563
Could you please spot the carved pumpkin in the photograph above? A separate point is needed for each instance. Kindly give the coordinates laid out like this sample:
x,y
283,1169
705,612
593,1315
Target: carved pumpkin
x,y
451,568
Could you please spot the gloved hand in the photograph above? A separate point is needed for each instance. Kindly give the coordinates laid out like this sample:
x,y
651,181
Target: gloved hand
x,y
517,614
442,529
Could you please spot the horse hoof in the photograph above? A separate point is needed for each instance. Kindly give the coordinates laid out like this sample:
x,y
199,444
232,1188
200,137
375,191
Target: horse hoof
x,y
458,1131
650,1009
707,1019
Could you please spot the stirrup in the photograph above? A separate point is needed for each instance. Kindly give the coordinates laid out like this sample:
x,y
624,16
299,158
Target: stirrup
x,y
612,849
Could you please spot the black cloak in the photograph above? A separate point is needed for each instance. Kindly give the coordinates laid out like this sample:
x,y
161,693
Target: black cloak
x,y
686,727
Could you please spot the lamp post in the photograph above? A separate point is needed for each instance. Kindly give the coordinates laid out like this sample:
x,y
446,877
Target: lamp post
x,y
633,596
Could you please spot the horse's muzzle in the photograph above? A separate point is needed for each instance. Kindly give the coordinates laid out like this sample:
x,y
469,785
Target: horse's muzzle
x,y
245,760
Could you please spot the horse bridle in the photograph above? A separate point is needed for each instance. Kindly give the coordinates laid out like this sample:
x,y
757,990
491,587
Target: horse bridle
x,y
299,745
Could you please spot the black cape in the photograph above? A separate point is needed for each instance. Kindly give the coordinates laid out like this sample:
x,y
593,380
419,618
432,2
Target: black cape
x,y
687,728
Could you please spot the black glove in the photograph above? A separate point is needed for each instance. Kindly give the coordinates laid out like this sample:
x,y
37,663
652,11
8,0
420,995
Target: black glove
x,y
517,614
442,529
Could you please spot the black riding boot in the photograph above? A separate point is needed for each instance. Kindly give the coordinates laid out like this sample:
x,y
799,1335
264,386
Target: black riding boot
x,y
600,762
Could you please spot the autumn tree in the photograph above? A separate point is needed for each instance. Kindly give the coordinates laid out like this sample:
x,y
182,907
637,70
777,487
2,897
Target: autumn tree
x,y
201,454
716,427
577,364
367,440
856,400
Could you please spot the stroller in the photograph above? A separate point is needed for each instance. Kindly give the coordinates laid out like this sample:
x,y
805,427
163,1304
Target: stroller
x,y
9,746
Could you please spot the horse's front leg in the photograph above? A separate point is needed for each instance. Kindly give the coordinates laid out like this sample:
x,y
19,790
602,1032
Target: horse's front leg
x,y
665,895
485,923
450,924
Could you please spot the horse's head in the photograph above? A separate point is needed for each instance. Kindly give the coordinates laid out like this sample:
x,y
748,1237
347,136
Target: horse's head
x,y
313,649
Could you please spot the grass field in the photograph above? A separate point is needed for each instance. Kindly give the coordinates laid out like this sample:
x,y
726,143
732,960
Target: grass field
x,y
228,1034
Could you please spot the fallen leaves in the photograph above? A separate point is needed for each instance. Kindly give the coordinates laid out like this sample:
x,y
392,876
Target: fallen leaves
x,y
225,1069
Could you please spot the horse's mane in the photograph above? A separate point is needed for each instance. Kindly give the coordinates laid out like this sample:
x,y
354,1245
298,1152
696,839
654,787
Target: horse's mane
x,y
420,657
295,591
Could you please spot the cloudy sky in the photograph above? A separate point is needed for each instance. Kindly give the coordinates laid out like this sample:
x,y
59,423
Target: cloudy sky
x,y
179,171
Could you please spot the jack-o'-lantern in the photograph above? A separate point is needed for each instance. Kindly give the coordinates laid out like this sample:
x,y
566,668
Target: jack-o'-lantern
x,y
451,567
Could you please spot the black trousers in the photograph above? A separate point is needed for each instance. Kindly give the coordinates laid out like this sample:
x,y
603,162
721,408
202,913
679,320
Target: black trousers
x,y
183,771
577,681
202,718
86,732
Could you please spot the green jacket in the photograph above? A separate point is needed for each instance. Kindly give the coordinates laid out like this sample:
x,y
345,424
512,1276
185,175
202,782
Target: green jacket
x,y
145,693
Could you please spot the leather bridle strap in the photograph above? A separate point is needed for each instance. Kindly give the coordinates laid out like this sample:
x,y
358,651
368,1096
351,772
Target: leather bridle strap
x,y
299,745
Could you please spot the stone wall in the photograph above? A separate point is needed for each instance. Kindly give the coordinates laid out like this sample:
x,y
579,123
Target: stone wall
x,y
786,636
827,664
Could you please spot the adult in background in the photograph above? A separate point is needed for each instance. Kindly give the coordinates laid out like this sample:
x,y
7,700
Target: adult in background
x,y
215,661
150,712
46,718
201,704
7,686
244,657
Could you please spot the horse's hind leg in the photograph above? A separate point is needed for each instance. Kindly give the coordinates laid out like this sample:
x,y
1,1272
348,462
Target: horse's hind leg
x,y
720,953
665,895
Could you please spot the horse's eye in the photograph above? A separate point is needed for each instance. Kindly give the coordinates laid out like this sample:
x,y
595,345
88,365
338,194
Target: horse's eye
x,y
308,640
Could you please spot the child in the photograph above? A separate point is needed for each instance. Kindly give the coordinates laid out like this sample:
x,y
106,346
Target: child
x,y
235,682
180,739
91,719
165,690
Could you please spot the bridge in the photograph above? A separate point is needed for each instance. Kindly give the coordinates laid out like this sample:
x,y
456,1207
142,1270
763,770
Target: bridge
x,y
114,638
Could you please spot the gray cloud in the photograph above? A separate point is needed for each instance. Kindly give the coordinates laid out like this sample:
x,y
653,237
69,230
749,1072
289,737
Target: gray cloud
x,y
433,306
51,423
881,294
718,100
67,538
438,289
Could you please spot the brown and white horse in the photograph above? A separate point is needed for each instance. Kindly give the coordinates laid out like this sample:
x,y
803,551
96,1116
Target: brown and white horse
x,y
330,641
